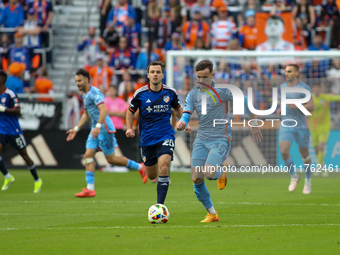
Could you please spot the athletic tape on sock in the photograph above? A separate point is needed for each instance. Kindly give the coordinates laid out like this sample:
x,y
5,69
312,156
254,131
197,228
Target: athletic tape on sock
x,y
88,160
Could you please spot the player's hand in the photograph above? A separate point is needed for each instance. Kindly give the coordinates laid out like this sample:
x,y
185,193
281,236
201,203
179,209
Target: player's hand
x,y
188,129
2,108
130,133
257,136
180,125
95,132
71,134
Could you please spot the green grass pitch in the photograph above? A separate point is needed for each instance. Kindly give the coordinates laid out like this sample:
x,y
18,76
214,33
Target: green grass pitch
x,y
257,216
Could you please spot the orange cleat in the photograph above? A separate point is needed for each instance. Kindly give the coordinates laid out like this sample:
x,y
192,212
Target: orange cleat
x,y
86,193
222,181
210,218
143,174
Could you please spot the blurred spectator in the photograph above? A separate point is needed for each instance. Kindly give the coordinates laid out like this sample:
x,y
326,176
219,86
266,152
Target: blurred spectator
x,y
175,43
128,93
14,81
132,32
105,7
43,85
22,54
329,13
120,13
165,28
141,82
122,86
31,30
318,43
43,12
222,30
234,62
116,107
199,45
222,73
5,42
246,76
152,14
306,12
333,76
92,45
335,35
300,35
101,75
178,13
13,15
278,7
248,32
123,57
143,57
249,5
315,71
197,28
203,8
111,35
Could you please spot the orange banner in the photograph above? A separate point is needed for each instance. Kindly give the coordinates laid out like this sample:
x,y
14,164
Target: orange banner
x,y
261,20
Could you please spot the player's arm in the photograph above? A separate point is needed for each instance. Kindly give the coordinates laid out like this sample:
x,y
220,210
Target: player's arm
x,y
255,130
186,113
15,111
134,106
332,98
73,131
309,105
102,115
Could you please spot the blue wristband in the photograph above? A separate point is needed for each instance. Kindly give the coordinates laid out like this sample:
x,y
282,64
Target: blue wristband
x,y
185,118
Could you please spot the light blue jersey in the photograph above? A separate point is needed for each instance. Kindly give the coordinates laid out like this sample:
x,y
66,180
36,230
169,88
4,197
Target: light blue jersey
x,y
215,110
295,114
106,140
92,99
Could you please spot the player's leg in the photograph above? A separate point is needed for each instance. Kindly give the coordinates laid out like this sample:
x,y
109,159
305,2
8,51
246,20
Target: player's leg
x,y
8,177
108,143
302,139
31,166
163,177
198,160
218,153
90,168
321,150
286,137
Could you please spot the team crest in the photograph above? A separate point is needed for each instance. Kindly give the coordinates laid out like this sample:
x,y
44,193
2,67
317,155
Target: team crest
x,y
144,158
3,100
166,99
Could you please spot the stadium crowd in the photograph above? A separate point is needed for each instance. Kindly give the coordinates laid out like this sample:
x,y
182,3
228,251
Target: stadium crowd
x,y
118,51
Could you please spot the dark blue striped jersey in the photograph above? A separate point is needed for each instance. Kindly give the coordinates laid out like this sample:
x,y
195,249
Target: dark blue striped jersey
x,y
9,123
154,113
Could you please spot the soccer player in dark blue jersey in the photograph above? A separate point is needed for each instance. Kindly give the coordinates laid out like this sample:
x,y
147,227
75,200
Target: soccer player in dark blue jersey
x,y
156,135
10,132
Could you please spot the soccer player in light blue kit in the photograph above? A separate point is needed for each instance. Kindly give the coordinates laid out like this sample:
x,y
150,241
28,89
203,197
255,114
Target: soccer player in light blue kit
x,y
102,135
212,144
10,132
300,132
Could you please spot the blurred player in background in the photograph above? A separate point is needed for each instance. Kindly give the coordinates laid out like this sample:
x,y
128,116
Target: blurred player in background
x,y
10,132
102,133
320,121
156,135
212,144
299,132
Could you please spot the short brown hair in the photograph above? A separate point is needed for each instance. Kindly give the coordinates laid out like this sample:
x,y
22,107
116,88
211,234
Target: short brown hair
x,y
204,64
296,67
156,63
84,73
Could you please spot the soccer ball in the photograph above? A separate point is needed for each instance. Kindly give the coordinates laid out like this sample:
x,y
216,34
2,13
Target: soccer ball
x,y
158,213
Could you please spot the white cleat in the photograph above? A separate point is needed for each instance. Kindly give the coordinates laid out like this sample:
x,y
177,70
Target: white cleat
x,y
293,183
307,189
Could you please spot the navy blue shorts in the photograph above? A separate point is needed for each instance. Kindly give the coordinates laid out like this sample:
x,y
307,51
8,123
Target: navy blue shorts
x,y
150,154
17,141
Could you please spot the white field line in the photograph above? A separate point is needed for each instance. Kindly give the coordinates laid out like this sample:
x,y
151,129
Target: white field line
x,y
169,226
173,202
